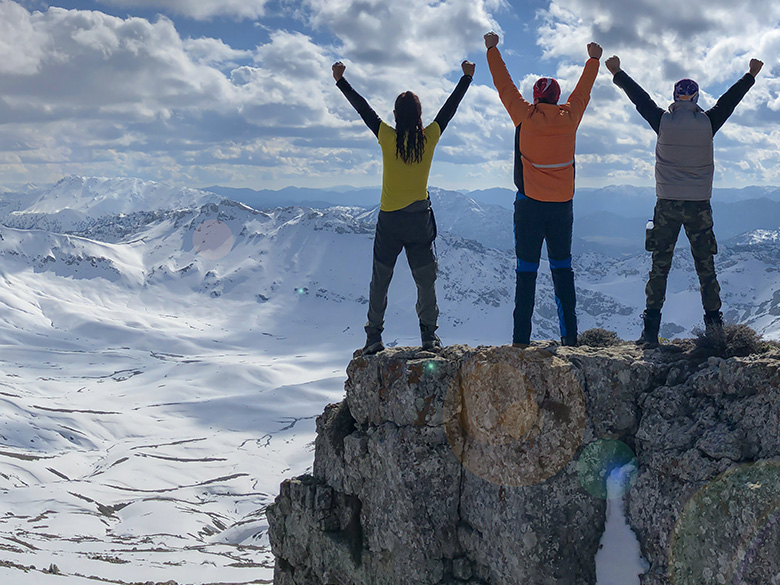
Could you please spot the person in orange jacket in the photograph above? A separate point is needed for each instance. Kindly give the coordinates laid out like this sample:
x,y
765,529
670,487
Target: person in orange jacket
x,y
544,176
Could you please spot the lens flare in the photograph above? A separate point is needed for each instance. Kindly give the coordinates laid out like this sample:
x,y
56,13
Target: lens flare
x,y
213,239
515,418
729,531
607,468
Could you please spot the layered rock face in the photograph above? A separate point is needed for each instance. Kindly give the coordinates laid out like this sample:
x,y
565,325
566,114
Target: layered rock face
x,y
461,467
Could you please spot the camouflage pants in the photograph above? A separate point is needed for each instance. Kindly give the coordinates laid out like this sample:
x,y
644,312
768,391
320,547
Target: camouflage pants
x,y
696,217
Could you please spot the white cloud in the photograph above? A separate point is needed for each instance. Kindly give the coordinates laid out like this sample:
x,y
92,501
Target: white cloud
x,y
91,63
666,39
659,42
214,52
92,91
415,39
87,92
293,58
199,9
22,47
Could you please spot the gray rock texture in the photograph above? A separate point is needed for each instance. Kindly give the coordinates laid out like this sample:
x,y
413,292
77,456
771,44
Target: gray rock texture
x,y
460,467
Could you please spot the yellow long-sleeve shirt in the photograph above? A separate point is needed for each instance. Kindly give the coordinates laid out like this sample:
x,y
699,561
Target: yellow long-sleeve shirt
x,y
404,183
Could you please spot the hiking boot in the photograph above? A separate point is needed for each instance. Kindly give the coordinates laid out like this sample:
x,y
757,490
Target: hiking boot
x,y
569,340
429,338
373,341
652,323
713,328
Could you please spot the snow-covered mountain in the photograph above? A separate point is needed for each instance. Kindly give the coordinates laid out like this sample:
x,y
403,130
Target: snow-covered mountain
x,y
100,197
189,241
165,351
78,203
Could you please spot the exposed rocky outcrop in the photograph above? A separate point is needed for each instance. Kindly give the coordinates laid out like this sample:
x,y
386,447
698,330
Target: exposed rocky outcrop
x,y
461,467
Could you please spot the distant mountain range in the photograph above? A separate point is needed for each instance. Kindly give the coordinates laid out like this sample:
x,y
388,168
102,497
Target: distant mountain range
x,y
610,220
475,248
620,199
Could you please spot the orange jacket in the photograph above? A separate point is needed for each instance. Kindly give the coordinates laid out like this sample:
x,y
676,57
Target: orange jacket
x,y
547,131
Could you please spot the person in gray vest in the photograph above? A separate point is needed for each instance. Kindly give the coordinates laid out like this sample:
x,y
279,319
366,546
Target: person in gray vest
x,y
684,168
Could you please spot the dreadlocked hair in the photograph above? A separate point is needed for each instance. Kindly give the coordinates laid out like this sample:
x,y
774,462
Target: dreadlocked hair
x,y
410,134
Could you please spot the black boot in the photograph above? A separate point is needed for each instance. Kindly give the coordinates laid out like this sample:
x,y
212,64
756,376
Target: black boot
x,y
570,340
713,329
652,321
429,338
373,341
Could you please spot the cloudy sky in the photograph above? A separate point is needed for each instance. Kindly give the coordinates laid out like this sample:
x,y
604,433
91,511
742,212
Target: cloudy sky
x,y
239,92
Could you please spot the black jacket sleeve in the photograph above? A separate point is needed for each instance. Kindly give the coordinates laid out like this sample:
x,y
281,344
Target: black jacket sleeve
x,y
369,116
451,105
725,106
647,108
518,166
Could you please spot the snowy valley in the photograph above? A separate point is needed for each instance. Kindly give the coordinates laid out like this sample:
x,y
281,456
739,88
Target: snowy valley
x,y
165,352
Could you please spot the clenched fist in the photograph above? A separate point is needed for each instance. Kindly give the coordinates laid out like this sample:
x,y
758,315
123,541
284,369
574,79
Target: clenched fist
x,y
491,39
338,70
613,64
594,51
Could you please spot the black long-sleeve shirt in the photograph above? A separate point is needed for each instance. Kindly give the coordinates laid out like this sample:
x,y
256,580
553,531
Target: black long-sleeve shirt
x,y
373,121
650,111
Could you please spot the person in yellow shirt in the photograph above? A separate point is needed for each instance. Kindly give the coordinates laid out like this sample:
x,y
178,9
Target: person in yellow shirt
x,y
406,219
544,176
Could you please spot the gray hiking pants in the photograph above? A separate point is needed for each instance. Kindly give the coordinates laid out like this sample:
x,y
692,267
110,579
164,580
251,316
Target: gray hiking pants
x,y
413,229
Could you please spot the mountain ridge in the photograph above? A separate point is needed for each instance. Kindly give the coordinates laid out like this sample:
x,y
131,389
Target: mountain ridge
x,y
475,250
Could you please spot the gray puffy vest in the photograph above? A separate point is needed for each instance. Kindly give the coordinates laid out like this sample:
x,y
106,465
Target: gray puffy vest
x,y
684,165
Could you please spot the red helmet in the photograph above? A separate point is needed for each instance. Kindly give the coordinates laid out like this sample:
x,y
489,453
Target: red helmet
x,y
547,90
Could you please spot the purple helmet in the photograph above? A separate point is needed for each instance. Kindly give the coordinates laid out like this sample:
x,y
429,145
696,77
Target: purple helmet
x,y
686,90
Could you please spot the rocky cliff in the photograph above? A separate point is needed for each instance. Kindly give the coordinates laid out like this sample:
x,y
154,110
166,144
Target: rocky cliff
x,y
487,466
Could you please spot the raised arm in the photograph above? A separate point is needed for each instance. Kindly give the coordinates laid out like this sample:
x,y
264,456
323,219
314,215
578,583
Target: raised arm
x,y
507,91
369,116
579,98
725,106
451,105
646,107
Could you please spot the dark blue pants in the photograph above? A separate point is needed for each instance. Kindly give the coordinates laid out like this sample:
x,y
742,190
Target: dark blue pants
x,y
537,222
